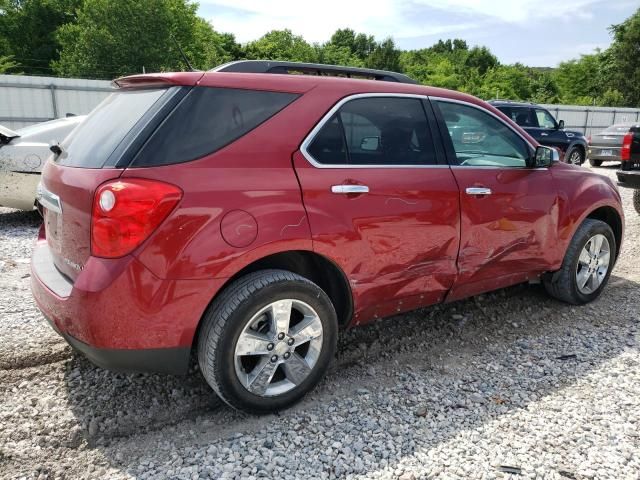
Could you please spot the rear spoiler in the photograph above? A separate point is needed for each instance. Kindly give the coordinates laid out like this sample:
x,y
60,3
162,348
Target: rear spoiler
x,y
6,135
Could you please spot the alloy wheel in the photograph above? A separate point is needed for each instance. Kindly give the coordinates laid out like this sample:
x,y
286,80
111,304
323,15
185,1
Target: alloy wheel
x,y
593,264
575,158
278,348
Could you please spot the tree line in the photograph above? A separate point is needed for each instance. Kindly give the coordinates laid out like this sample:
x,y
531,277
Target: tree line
x,y
110,38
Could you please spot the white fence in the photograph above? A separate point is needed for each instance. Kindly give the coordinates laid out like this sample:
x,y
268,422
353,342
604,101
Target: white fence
x,y
590,120
25,100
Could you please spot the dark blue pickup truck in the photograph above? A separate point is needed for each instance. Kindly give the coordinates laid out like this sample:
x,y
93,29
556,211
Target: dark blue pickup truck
x,y
542,126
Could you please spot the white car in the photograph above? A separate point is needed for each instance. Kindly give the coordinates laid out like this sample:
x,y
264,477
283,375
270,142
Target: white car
x,y
23,153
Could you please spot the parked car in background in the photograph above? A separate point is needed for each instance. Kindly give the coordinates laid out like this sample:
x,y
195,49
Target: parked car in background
x,y
23,154
541,125
246,217
618,143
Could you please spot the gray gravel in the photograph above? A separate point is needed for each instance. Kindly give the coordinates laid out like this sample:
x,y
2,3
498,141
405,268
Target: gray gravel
x,y
510,384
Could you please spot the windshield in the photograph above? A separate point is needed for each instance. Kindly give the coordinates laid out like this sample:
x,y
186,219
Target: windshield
x,y
95,139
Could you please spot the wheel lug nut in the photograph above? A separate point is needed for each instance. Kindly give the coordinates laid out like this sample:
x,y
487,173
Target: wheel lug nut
x,y
270,347
280,336
290,341
274,358
286,355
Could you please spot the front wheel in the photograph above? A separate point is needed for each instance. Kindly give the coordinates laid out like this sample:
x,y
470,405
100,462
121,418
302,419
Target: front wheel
x,y
267,340
586,266
575,156
636,200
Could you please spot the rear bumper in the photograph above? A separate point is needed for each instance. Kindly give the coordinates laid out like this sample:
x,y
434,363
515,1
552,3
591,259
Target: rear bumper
x,y
629,179
119,314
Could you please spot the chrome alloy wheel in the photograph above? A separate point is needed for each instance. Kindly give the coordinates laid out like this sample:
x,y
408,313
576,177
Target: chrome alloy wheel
x,y
575,157
278,347
593,264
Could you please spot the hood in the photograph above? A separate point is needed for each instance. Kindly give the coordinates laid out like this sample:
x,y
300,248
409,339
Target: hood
x,y
574,133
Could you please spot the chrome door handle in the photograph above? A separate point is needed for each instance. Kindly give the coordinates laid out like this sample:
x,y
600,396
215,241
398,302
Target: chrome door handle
x,y
346,189
478,191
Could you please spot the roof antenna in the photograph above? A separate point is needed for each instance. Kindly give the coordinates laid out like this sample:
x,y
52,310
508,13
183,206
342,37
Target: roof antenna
x,y
184,57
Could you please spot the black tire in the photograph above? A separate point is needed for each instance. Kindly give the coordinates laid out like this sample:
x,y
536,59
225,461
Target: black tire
x,y
227,316
575,156
563,284
636,200
595,163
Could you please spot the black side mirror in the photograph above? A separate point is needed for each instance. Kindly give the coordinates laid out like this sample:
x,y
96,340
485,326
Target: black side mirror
x,y
561,125
545,156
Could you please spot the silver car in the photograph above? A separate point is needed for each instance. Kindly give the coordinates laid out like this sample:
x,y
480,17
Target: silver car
x,y
23,153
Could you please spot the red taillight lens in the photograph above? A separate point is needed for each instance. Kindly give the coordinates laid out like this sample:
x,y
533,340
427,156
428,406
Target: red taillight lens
x,y
126,212
625,153
589,139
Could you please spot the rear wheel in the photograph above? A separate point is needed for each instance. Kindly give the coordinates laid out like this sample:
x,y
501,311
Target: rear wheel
x,y
595,163
267,340
587,264
575,156
636,200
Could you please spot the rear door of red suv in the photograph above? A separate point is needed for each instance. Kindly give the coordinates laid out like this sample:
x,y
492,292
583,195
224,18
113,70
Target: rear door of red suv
x,y
381,201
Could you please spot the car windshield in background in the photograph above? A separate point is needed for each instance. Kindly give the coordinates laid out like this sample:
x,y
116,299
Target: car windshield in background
x,y
95,139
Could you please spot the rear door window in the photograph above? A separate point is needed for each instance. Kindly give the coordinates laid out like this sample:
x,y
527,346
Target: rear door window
x,y
376,131
208,119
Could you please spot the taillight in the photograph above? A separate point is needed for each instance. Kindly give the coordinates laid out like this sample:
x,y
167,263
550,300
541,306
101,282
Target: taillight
x,y
126,212
625,153
589,139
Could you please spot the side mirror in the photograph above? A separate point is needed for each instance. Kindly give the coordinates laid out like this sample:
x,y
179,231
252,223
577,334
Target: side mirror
x,y
370,144
561,125
545,156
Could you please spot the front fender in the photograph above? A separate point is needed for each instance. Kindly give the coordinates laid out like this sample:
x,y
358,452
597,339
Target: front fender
x,y
583,194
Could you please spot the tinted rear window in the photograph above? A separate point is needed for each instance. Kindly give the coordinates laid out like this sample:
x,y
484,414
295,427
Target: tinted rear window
x,y
618,129
95,139
206,120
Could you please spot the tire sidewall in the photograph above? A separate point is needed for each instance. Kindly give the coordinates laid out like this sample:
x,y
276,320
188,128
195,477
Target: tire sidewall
x,y
584,237
224,360
571,152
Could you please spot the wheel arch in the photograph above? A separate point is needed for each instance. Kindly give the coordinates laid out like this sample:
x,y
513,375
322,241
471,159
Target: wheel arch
x,y
311,265
611,217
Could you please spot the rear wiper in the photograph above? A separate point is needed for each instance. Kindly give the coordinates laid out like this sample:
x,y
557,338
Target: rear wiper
x,y
55,148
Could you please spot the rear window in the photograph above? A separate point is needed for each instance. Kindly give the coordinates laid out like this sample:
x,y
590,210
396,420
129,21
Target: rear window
x,y
92,143
206,120
618,129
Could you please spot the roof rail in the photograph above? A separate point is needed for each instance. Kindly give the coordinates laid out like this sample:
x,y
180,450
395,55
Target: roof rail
x,y
267,66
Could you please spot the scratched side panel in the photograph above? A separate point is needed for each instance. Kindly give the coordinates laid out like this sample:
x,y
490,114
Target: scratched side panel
x,y
397,244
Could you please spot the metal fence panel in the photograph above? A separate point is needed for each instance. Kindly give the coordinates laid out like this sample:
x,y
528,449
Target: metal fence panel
x,y
590,120
25,100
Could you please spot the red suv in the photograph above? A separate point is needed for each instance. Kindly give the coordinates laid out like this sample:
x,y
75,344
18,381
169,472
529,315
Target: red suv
x,y
247,216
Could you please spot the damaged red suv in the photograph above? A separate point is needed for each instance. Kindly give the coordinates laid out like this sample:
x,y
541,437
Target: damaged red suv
x,y
247,214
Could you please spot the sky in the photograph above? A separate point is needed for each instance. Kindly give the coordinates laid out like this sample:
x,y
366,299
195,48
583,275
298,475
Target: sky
x,y
534,32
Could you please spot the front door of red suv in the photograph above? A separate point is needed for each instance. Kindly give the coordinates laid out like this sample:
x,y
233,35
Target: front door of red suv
x,y
509,211
379,202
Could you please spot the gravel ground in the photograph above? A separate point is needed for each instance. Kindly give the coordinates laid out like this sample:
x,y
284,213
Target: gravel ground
x,y
510,384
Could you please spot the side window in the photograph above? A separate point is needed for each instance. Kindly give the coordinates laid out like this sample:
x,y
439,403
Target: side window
x,y
376,131
545,120
480,140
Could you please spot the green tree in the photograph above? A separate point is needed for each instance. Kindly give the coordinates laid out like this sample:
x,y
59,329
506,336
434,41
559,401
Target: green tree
x,y
385,57
281,45
622,65
358,45
119,37
581,79
7,65
27,31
